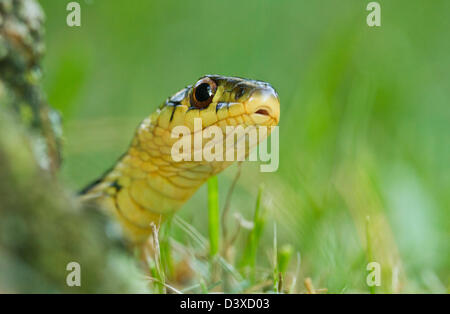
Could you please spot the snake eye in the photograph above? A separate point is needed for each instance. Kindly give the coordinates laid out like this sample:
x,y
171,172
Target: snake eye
x,y
203,92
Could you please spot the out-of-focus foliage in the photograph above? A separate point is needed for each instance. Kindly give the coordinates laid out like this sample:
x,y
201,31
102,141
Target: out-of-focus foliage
x,y
43,229
364,127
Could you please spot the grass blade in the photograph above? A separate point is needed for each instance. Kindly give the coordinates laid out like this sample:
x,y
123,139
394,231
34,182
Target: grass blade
x,y
213,216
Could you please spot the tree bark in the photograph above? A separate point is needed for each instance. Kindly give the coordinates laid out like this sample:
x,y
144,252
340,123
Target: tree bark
x,y
42,225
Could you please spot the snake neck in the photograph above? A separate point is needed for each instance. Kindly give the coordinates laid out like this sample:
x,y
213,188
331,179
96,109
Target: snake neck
x,y
145,186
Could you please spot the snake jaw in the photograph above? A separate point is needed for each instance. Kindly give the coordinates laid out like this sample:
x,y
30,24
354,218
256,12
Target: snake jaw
x,y
264,106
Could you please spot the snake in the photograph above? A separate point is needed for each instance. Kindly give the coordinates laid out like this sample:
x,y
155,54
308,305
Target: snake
x,y
147,184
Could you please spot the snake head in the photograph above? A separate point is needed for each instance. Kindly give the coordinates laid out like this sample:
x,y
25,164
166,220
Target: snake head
x,y
213,102
222,100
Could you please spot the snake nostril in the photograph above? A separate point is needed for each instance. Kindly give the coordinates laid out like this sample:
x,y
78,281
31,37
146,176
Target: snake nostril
x,y
263,112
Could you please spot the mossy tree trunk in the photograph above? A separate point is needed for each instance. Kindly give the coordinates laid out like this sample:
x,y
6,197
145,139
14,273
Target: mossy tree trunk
x,y
42,226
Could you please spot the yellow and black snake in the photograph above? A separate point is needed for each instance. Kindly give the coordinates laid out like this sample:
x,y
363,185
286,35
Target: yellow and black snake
x,y
146,183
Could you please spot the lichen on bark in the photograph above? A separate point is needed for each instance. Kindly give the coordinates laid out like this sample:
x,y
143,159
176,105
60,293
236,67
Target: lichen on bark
x,y
21,49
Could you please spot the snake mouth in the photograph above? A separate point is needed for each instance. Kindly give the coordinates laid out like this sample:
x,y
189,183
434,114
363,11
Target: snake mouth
x,y
263,112
264,106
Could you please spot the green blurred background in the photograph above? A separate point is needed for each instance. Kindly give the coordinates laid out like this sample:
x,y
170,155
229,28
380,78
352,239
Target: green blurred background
x,y
364,127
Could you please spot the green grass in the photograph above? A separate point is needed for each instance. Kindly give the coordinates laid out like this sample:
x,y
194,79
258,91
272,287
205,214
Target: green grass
x,y
248,261
213,216
225,273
